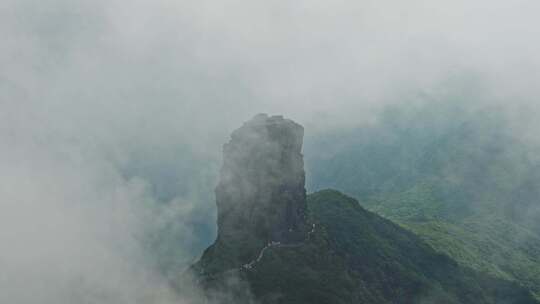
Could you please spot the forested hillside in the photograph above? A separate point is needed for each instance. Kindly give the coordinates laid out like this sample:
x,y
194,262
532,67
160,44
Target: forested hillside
x,y
465,180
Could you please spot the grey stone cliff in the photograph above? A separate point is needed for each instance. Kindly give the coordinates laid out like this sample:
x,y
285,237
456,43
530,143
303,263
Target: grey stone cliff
x,y
261,196
261,190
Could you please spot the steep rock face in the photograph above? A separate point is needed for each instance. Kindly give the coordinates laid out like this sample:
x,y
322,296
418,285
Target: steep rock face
x,y
261,196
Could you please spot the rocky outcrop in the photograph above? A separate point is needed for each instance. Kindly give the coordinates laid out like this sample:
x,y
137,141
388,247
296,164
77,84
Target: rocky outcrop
x,y
261,193
261,196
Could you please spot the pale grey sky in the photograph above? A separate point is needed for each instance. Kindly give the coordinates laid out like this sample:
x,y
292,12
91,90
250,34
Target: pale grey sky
x,y
90,88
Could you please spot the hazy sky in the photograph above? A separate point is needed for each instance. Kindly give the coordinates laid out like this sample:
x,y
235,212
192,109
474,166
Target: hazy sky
x,y
97,96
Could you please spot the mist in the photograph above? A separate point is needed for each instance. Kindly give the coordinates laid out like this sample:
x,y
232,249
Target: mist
x,y
113,113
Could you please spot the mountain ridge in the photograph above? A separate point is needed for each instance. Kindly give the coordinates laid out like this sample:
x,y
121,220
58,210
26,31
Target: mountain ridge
x,y
332,251
464,181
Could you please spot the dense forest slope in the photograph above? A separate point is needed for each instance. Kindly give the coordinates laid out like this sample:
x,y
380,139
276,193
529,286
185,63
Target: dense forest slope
x,y
352,256
466,182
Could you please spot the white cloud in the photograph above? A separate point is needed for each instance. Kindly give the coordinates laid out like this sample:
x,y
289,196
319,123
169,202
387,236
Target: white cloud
x,y
90,89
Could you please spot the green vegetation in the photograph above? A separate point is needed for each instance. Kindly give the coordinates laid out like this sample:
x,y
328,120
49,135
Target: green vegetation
x,y
354,256
465,181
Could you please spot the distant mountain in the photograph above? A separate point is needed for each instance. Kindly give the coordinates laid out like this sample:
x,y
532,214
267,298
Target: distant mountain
x,y
275,245
464,181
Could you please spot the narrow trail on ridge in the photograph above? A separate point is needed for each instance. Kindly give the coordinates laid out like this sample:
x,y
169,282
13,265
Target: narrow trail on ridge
x,y
251,264
271,244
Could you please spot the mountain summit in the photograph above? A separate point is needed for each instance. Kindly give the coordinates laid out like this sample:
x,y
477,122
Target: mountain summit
x,y
274,245
261,195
